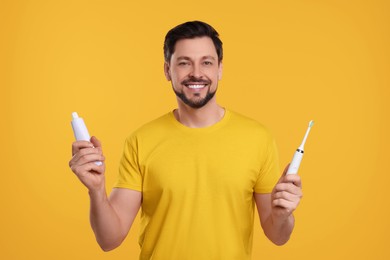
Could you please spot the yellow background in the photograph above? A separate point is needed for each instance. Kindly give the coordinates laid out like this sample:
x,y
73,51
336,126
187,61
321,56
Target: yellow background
x,y
285,63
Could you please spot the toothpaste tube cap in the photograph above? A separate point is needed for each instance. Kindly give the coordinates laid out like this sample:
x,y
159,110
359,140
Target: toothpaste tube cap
x,y
75,115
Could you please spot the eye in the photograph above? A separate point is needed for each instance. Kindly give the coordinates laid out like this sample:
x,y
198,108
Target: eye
x,y
207,63
183,63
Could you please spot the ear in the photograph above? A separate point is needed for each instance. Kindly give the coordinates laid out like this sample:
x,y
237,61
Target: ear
x,y
220,68
166,71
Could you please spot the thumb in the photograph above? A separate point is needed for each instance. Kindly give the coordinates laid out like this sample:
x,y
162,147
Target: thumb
x,y
95,142
284,173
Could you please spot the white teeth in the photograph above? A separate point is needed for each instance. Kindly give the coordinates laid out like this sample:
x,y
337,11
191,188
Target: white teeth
x,y
196,86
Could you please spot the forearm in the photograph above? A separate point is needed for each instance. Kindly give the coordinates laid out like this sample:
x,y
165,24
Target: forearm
x,y
105,221
278,229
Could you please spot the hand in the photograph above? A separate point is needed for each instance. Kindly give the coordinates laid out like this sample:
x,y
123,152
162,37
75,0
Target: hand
x,y
85,154
286,195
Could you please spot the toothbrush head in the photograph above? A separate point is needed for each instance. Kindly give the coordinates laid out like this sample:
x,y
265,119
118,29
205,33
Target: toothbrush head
x,y
311,123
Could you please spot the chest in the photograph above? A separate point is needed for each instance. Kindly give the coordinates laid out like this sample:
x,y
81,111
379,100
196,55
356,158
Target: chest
x,y
212,166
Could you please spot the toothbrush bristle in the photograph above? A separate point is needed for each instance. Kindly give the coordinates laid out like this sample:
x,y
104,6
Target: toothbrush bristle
x,y
311,123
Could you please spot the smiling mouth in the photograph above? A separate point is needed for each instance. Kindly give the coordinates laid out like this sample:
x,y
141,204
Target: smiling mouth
x,y
197,86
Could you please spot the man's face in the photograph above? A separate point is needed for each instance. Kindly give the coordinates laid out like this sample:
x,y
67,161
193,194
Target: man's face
x,y
194,71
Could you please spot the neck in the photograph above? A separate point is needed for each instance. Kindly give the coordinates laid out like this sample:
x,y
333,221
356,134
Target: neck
x,y
205,116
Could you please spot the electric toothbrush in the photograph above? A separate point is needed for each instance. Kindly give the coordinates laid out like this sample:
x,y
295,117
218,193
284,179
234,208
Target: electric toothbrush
x,y
298,155
80,131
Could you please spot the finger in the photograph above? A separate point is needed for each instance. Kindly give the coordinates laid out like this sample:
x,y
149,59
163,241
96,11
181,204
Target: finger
x,y
288,205
88,168
75,164
286,169
287,196
96,142
288,187
93,167
90,158
88,155
98,168
293,178
78,145
284,173
85,151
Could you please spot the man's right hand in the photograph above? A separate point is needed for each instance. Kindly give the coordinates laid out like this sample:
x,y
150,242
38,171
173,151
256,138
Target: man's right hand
x,y
110,217
85,154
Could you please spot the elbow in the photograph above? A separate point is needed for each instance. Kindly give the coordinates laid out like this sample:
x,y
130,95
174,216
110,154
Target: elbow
x,y
109,245
107,248
109,241
279,241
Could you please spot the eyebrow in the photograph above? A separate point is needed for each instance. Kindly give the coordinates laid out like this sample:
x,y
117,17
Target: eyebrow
x,y
188,58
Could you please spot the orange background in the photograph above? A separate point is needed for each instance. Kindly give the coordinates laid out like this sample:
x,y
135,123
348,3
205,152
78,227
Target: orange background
x,y
285,63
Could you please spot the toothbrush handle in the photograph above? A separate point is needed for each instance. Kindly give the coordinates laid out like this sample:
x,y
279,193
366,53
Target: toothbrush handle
x,y
296,161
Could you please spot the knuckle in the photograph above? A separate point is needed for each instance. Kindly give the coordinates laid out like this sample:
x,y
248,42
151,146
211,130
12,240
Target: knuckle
x,y
277,202
77,171
279,186
74,145
83,152
74,169
83,158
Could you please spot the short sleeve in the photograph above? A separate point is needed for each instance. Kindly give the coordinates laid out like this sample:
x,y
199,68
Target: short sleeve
x,y
129,176
270,170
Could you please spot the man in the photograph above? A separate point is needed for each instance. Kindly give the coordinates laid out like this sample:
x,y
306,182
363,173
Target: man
x,y
196,172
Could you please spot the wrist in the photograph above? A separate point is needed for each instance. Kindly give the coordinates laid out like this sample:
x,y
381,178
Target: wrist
x,y
281,220
98,194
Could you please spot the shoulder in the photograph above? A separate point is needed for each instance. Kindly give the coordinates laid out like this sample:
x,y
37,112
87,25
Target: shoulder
x,y
247,124
158,126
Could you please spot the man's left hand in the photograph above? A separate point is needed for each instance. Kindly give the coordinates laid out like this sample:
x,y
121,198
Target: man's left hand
x,y
286,195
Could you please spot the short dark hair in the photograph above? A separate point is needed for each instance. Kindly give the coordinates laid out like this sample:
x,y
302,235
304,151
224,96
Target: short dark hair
x,y
190,30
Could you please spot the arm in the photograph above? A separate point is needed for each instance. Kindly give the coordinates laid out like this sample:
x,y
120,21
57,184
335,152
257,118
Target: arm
x,y
276,209
111,218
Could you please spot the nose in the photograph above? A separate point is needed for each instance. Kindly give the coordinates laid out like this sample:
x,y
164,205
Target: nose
x,y
196,71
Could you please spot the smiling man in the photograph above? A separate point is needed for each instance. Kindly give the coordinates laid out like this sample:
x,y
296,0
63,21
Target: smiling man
x,y
194,70
196,172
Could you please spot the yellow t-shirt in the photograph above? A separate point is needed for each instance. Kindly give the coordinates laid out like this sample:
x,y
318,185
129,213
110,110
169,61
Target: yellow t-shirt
x,y
197,185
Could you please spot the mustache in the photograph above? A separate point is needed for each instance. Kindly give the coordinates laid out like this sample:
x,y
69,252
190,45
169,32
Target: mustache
x,y
195,80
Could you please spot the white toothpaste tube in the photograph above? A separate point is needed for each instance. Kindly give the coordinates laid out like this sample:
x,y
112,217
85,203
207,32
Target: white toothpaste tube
x,y
80,131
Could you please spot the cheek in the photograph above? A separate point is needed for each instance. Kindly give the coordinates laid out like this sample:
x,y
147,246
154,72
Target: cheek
x,y
177,75
176,80
219,75
216,77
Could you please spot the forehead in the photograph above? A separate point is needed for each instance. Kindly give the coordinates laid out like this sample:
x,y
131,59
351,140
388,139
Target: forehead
x,y
195,48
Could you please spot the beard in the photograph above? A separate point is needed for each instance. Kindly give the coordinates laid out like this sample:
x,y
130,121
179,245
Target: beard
x,y
198,102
